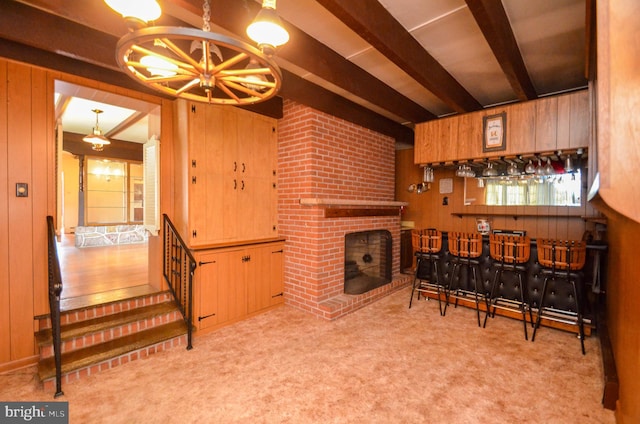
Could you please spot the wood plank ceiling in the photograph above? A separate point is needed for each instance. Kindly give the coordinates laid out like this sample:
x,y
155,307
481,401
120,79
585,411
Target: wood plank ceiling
x,y
385,65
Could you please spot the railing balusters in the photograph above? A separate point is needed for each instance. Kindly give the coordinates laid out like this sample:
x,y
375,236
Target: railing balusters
x,y
179,266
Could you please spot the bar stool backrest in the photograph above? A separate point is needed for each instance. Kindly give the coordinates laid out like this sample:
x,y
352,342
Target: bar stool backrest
x,y
562,254
465,245
426,241
509,248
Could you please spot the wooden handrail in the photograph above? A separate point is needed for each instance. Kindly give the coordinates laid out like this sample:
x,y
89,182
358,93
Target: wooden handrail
x,y
55,290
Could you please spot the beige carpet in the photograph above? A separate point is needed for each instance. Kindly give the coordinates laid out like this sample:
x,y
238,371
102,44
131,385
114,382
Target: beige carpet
x,y
383,364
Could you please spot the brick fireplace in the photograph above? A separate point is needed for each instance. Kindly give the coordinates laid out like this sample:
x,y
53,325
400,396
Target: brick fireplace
x,y
334,178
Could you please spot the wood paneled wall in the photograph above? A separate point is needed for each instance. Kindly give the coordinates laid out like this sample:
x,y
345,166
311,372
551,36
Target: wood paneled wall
x,y
27,155
618,99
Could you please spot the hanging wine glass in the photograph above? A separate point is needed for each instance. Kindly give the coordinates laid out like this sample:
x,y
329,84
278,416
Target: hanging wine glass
x,y
530,168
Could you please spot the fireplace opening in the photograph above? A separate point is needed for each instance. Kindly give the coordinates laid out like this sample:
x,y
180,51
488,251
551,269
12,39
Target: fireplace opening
x,y
367,260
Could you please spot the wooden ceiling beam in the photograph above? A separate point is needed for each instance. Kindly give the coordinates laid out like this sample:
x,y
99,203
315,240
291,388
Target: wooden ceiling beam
x,y
496,28
126,124
375,24
39,29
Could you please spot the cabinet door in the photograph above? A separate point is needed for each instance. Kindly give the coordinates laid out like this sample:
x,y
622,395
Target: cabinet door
x,y
276,274
573,120
265,276
580,122
546,124
206,177
469,137
448,139
207,280
230,168
521,129
424,151
232,287
257,192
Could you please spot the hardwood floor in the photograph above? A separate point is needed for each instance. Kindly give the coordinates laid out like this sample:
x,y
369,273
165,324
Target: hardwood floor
x,y
94,275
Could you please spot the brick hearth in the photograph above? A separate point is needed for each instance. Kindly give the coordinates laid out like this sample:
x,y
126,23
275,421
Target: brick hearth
x,y
327,162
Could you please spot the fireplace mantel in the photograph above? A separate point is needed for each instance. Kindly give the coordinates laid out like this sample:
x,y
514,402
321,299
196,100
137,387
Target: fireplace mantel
x,y
350,208
314,201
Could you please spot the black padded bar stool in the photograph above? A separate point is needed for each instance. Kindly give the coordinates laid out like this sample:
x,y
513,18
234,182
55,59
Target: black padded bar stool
x,y
562,260
511,253
466,249
427,245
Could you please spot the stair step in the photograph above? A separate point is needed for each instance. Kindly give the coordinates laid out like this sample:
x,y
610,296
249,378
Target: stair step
x,y
110,308
107,351
95,325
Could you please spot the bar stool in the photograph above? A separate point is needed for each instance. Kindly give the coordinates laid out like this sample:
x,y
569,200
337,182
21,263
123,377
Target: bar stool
x,y
511,253
559,257
427,245
466,249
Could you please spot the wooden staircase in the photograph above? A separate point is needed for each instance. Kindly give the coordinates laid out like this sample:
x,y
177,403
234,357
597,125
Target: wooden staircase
x,y
104,336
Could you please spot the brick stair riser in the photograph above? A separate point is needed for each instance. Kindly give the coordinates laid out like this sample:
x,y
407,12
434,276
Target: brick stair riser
x,y
50,384
110,334
103,310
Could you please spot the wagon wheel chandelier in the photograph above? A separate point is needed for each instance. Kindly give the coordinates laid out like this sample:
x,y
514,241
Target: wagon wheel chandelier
x,y
201,65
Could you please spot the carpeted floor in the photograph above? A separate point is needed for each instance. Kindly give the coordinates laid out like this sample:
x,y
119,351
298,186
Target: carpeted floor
x,y
383,364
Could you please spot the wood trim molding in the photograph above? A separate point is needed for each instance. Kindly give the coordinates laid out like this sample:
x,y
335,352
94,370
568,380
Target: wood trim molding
x,y
357,212
314,201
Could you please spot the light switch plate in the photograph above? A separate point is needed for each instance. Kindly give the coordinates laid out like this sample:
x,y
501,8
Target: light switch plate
x,y
22,190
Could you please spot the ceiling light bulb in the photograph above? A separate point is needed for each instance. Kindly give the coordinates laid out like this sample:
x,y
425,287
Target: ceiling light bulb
x,y
141,10
257,82
158,66
267,30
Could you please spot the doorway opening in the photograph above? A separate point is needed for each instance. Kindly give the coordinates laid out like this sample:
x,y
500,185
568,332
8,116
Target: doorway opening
x,y
104,195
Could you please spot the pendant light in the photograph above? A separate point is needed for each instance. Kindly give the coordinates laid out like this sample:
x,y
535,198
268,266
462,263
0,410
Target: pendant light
x,y
96,138
201,65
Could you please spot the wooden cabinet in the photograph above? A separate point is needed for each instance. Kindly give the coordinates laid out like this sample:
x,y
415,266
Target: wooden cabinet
x,y
573,121
233,283
437,141
521,129
546,124
540,126
469,129
226,161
